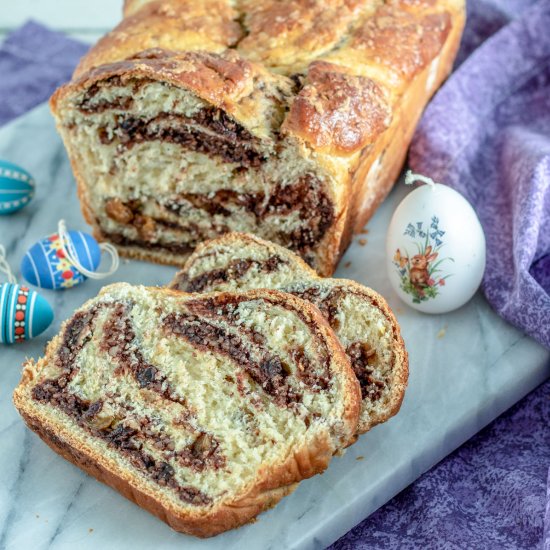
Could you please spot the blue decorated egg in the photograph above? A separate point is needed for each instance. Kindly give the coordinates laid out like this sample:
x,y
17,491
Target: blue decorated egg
x,y
16,187
24,314
45,264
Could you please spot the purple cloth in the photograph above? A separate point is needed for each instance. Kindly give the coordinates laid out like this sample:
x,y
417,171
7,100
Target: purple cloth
x,y
487,134
490,493
33,62
546,545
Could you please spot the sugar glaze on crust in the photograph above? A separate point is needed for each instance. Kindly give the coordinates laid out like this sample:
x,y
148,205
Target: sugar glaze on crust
x,y
258,98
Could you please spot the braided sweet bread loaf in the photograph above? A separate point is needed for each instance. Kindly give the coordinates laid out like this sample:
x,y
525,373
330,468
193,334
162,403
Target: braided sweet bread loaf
x,y
287,119
203,409
360,317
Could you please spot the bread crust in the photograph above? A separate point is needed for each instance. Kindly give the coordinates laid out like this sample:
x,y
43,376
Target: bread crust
x,y
209,25
366,74
379,167
223,519
337,112
400,369
274,482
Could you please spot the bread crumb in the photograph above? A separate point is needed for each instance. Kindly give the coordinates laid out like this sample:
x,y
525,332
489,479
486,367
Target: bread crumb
x,y
347,264
362,242
442,332
360,457
364,231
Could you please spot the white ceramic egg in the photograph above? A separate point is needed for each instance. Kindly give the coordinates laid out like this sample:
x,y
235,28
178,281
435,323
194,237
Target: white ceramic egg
x,y
435,249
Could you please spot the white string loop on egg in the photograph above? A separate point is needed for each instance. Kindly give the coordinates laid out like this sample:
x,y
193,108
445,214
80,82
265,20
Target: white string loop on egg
x,y
5,266
70,253
411,177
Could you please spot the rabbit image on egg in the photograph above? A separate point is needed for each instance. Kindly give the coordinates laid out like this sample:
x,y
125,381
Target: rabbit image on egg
x,y
422,274
418,273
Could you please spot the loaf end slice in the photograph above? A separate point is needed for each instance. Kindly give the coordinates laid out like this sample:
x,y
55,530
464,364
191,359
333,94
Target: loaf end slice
x,y
172,148
240,261
359,316
204,410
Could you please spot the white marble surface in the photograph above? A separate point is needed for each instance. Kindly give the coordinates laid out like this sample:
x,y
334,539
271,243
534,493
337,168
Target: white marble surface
x,y
466,368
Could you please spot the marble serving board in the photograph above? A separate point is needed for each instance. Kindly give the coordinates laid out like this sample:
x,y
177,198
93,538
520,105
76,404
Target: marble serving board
x,y
466,368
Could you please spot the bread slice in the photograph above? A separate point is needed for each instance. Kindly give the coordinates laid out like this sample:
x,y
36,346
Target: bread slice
x,y
204,410
360,317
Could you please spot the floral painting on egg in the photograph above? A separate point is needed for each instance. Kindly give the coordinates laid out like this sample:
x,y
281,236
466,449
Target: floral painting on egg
x,y
65,273
46,265
422,273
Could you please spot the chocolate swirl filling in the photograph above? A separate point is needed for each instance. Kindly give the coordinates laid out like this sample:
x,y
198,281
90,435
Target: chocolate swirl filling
x,y
125,434
210,131
306,197
267,370
234,270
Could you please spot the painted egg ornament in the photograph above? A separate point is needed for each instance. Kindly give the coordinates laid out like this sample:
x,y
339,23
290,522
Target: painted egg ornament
x,y
24,314
46,264
435,248
16,187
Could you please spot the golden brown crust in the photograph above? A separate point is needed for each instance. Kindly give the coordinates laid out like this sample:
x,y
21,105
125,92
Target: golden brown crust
x,y
378,168
336,112
220,79
273,483
182,25
386,60
412,4
401,41
288,35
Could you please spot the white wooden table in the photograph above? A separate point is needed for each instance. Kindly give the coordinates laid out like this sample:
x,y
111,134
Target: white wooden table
x,y
85,20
